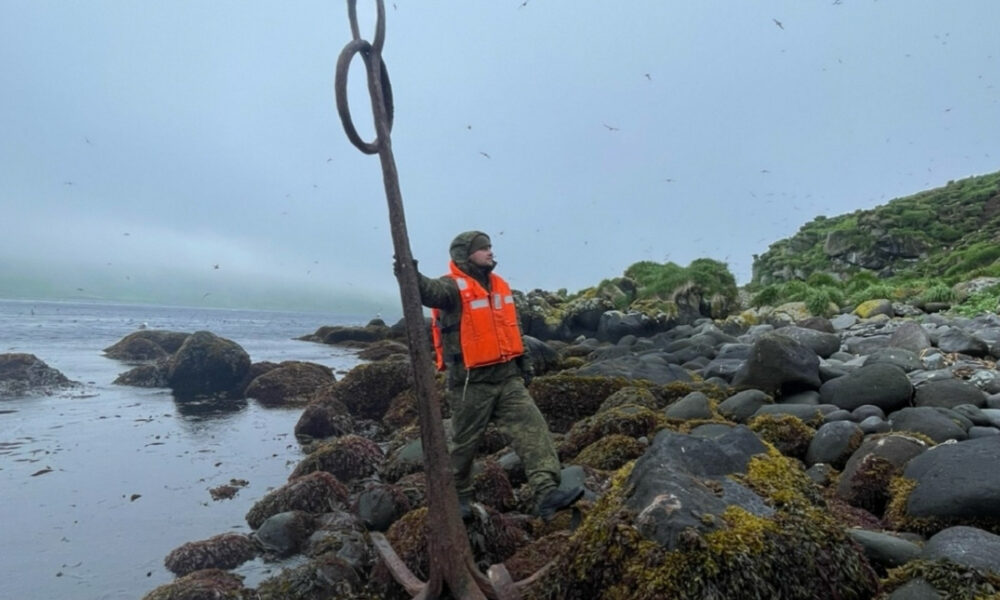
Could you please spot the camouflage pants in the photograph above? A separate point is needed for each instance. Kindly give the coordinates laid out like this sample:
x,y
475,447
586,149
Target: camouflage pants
x,y
511,408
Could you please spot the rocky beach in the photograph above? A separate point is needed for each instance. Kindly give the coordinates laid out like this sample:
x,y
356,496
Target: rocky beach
x,y
769,454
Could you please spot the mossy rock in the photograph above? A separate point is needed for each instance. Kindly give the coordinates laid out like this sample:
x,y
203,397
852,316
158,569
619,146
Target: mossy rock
x,y
629,420
201,585
787,433
799,553
347,458
949,579
368,389
565,399
610,452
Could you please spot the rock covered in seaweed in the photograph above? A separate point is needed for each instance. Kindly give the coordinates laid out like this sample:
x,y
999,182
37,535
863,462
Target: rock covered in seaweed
x,y
289,383
316,492
223,551
25,374
214,584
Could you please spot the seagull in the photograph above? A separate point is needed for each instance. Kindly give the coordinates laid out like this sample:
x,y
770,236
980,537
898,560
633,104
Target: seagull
x,y
484,154
523,4
215,266
610,128
648,77
778,23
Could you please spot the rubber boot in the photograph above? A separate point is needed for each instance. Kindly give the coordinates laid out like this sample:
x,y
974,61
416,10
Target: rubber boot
x,y
556,500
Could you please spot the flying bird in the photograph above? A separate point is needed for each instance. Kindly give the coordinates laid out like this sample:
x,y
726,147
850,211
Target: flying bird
x,y
648,77
215,266
778,23
610,128
484,154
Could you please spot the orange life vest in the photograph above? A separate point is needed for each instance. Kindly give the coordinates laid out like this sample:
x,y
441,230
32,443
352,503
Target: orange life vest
x,y
488,328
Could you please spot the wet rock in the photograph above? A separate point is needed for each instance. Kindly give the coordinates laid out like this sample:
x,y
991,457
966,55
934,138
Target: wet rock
x,y
314,493
367,390
145,376
224,551
347,458
379,505
341,533
326,576
202,585
290,383
284,534
206,365
148,344
25,375
324,417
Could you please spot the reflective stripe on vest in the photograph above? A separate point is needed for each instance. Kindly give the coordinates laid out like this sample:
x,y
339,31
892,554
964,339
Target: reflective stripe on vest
x,y
488,329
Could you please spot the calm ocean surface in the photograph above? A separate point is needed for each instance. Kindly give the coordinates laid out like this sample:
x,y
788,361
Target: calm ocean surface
x,y
131,468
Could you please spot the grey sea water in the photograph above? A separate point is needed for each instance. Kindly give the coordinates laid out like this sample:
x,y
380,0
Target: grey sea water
x,y
98,484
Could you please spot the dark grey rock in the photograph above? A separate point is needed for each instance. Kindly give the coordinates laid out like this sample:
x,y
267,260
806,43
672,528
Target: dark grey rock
x,y
977,431
285,533
904,359
669,493
948,393
954,339
695,405
956,480
822,343
867,410
928,421
882,385
779,364
916,589
742,405
910,336
885,549
834,443
866,477
965,546
874,424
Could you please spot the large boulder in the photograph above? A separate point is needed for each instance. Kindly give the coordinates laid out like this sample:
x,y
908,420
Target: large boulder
x,y
868,474
779,364
207,365
956,481
939,424
881,384
967,546
26,374
949,393
822,343
291,382
224,551
145,345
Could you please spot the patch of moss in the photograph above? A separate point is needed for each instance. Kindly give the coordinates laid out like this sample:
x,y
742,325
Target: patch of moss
x,y
610,452
788,433
629,420
951,580
800,553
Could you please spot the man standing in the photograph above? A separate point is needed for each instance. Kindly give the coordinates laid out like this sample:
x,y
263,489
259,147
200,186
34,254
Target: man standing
x,y
477,338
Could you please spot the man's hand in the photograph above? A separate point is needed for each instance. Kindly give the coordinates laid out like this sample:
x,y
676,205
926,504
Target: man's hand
x,y
397,268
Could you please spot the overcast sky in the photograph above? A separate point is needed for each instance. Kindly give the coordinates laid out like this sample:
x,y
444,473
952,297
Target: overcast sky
x,y
198,142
